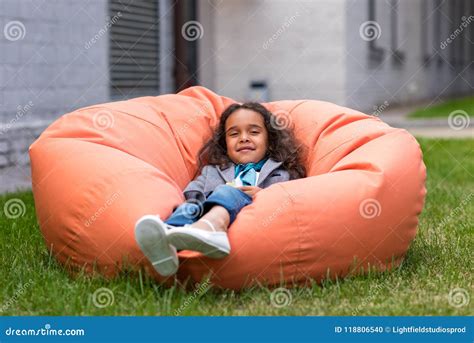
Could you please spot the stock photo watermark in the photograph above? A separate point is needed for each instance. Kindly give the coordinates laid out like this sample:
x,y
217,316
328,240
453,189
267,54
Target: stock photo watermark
x,y
14,30
18,293
455,212
370,30
464,24
102,209
286,24
281,120
280,297
103,297
200,290
370,208
193,209
367,300
192,119
20,112
103,119
458,297
47,330
459,120
14,208
103,31
378,110
192,30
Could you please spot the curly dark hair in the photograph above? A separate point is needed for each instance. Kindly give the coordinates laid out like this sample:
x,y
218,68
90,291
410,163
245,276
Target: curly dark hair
x,y
282,143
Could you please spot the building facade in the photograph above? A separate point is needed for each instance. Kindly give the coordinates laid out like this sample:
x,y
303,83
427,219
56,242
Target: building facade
x,y
358,53
60,55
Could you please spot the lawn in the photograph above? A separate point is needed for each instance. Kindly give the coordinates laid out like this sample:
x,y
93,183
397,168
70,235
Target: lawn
x,y
444,109
438,262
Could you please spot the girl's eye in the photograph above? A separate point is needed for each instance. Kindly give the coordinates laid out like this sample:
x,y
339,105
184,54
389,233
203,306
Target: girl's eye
x,y
233,134
254,132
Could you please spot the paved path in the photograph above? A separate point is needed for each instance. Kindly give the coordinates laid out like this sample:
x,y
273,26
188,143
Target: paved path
x,y
426,127
432,128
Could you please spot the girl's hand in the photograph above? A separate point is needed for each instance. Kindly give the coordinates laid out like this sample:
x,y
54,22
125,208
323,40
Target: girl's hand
x,y
249,190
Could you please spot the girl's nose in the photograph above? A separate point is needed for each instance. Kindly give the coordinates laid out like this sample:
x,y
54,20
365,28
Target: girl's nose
x,y
244,138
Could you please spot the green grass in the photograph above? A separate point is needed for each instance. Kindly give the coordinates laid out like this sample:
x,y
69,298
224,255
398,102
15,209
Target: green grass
x,y
438,261
443,109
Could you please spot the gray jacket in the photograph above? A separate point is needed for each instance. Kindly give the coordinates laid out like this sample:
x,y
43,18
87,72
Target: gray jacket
x,y
213,176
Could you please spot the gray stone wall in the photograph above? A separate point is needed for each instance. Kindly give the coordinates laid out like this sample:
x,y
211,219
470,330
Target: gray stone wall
x,y
14,144
296,46
53,60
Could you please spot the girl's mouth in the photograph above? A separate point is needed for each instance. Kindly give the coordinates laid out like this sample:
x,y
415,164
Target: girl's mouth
x,y
245,150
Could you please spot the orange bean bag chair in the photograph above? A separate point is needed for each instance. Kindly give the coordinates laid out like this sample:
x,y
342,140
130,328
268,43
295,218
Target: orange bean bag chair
x,y
96,170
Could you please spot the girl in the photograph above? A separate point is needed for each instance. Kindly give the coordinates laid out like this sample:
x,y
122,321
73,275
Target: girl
x,y
247,152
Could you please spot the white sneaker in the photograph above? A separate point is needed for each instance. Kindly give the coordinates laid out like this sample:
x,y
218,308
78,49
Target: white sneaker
x,y
150,234
212,244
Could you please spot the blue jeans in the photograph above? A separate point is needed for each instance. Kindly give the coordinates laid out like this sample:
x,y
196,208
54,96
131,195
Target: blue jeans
x,y
232,199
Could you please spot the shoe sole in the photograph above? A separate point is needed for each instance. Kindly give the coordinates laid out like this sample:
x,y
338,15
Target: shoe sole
x,y
151,238
190,242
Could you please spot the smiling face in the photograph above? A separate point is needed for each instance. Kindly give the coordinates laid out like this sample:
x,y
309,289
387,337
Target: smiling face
x,y
246,136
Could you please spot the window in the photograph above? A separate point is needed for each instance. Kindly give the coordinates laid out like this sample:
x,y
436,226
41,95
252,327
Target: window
x,y
397,56
426,49
376,53
456,48
437,24
134,48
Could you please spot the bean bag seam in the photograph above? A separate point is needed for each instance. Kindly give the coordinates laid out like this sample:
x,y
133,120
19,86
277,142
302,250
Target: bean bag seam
x,y
119,111
126,113
351,139
375,168
178,139
300,236
125,152
300,103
